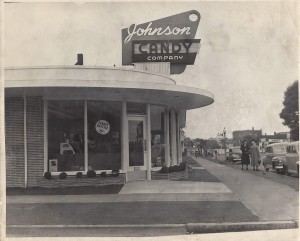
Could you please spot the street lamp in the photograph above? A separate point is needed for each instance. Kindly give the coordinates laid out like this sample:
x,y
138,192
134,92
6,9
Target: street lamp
x,y
224,135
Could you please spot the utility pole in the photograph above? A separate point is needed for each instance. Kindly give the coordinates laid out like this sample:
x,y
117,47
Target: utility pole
x,y
224,135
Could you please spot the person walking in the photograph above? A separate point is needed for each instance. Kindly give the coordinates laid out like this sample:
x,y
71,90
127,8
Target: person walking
x,y
245,154
255,156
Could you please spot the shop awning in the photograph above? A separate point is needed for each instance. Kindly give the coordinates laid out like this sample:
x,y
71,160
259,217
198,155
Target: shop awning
x,y
114,84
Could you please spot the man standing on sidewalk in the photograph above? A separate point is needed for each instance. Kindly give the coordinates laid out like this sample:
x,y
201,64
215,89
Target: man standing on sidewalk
x,y
255,157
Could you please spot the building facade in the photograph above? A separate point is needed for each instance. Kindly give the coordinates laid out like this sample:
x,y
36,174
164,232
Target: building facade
x,y
72,119
76,118
239,136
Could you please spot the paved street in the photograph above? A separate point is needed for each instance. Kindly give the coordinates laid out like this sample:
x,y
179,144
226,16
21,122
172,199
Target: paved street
x,y
213,193
262,195
291,181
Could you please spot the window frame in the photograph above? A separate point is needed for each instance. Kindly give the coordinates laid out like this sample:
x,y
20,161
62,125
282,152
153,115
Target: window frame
x,y
85,129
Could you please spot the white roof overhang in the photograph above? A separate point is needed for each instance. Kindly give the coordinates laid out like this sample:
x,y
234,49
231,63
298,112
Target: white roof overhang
x,y
111,84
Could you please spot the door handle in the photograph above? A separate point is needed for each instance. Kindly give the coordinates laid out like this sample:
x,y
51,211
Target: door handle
x,y
144,145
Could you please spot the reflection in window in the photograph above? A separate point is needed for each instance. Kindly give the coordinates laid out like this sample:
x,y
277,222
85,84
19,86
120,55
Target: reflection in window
x,y
157,136
104,135
65,136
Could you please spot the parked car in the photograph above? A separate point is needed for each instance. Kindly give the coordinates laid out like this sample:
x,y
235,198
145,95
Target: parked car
x,y
235,154
274,154
291,164
278,164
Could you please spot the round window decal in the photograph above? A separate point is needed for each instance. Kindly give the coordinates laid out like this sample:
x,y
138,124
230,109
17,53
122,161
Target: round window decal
x,y
102,127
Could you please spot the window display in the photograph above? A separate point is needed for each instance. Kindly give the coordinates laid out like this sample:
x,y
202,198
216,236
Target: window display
x,y
104,131
157,136
65,135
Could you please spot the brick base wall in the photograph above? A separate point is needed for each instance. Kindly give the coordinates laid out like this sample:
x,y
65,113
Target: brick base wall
x,y
14,141
35,139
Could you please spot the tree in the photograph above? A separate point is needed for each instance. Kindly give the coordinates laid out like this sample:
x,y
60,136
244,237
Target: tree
x,y
290,111
212,144
200,144
188,142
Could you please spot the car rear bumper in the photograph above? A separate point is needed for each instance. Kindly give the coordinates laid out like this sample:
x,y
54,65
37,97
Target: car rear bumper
x,y
278,167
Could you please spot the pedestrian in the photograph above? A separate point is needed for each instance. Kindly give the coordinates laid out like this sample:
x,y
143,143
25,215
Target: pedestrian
x,y
255,156
245,154
230,158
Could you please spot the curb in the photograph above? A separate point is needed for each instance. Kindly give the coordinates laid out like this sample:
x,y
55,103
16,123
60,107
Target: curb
x,y
190,227
137,226
240,227
125,230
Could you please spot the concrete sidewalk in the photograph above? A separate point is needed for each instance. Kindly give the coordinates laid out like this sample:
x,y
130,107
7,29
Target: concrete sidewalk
x,y
266,199
142,191
140,202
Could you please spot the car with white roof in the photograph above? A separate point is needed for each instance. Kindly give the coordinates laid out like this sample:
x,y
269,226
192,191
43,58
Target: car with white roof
x,y
275,156
291,163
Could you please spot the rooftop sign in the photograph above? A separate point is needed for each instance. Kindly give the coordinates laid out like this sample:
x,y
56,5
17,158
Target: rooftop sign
x,y
169,39
175,51
149,31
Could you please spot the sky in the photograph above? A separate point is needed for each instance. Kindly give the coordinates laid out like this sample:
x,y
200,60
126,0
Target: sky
x,y
247,59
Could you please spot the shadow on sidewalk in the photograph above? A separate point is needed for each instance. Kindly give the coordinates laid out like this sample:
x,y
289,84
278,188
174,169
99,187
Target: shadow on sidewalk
x,y
196,173
105,189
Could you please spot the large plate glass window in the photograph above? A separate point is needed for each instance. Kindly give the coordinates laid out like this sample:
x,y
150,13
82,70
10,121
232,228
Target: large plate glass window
x,y
104,135
65,136
157,136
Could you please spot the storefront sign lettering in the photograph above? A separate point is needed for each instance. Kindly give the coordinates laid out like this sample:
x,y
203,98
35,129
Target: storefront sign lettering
x,y
163,47
133,30
173,51
102,127
164,58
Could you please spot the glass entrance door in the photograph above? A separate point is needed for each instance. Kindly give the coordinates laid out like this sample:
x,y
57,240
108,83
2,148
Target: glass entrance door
x,y
137,148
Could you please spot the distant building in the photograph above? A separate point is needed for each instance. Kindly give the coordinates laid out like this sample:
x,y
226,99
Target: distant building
x,y
239,136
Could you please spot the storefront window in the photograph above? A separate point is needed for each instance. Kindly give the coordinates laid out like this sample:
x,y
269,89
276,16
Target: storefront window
x,y
104,135
157,136
177,136
65,136
170,136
